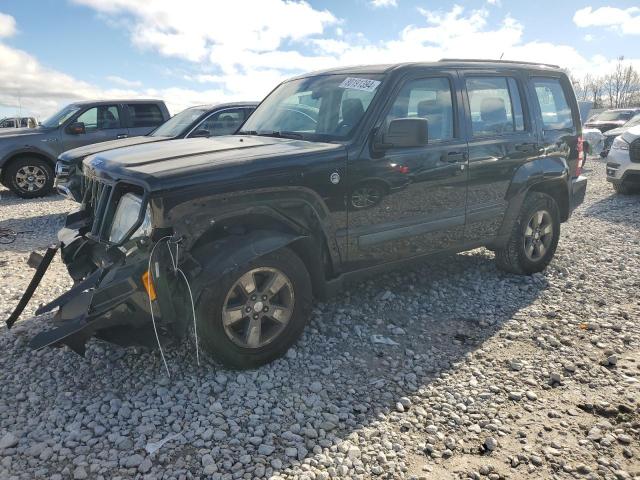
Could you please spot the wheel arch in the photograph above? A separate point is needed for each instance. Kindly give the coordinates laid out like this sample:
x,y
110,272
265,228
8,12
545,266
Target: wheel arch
x,y
17,155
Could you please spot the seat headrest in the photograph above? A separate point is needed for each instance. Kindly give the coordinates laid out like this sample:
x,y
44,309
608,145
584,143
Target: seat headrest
x,y
352,111
492,110
429,107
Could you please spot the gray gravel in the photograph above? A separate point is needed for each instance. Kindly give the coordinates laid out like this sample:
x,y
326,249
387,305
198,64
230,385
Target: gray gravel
x,y
485,375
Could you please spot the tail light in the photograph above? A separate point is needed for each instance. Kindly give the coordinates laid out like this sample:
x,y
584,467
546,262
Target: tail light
x,y
580,148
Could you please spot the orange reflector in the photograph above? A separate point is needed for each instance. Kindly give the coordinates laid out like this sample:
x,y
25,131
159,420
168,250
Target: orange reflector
x,y
148,285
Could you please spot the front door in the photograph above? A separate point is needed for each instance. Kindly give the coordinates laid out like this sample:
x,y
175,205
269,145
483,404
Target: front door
x,y
501,139
101,123
405,202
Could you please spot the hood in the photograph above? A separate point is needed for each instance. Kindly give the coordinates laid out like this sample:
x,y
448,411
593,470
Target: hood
x,y
201,160
631,134
22,132
614,132
77,154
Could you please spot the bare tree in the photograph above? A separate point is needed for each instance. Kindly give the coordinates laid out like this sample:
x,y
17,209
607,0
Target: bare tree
x,y
622,85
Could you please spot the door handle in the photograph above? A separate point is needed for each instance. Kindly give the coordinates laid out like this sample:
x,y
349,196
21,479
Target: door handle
x,y
122,135
525,147
455,157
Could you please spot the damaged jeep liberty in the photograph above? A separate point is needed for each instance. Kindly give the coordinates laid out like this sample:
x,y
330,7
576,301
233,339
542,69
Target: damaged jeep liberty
x,y
336,174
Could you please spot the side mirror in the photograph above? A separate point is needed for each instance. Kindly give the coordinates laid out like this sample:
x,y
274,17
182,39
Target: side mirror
x,y
200,133
76,128
406,132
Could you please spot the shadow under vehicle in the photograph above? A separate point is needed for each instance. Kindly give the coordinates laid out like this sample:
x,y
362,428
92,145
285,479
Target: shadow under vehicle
x,y
234,236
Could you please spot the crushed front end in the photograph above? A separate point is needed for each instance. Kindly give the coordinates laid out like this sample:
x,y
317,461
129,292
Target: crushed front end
x,y
106,246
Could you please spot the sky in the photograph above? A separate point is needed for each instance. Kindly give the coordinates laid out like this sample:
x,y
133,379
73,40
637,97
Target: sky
x,y
191,52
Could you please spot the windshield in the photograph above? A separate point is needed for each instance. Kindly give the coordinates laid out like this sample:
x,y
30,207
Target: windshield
x,y
320,108
613,116
179,122
60,117
633,122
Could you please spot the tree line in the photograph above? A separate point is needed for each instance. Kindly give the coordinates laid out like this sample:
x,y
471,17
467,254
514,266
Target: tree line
x,y
618,89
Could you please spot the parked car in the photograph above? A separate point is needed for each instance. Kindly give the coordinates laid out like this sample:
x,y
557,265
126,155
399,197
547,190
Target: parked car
x,y
28,156
200,121
18,122
623,166
249,228
610,135
612,118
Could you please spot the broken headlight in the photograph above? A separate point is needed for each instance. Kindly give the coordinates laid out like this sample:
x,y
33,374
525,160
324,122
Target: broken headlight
x,y
126,216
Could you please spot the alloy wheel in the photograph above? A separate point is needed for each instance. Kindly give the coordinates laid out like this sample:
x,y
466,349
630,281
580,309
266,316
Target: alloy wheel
x,y
365,197
538,235
258,307
30,178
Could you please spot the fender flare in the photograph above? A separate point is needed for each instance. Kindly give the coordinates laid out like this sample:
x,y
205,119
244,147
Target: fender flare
x,y
220,257
547,170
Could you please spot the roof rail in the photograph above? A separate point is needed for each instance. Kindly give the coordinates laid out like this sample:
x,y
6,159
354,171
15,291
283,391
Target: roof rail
x,y
495,61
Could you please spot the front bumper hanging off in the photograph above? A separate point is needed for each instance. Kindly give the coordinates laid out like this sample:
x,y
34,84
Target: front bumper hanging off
x,y
109,302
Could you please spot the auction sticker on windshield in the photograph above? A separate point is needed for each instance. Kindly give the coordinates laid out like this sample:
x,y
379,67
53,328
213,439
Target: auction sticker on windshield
x,y
360,84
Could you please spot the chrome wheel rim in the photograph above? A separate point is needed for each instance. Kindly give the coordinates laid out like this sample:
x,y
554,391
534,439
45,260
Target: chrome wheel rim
x,y
31,178
364,197
538,235
258,307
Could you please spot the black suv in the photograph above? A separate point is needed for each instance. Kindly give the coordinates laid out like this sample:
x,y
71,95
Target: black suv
x,y
249,228
200,121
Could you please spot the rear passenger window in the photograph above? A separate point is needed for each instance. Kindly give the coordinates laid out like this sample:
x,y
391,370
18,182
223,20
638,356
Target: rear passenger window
x,y
556,113
495,106
428,98
144,115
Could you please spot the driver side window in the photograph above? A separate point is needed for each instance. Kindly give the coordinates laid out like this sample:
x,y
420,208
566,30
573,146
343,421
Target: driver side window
x,y
103,117
225,122
428,98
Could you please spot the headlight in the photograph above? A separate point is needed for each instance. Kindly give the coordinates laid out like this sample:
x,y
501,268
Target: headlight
x,y
127,213
620,144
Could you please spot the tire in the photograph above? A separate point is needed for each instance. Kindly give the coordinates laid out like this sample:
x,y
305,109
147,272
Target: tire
x,y
516,255
625,188
20,172
229,344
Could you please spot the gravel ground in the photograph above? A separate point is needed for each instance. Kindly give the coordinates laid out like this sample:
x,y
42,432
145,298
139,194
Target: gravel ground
x,y
490,375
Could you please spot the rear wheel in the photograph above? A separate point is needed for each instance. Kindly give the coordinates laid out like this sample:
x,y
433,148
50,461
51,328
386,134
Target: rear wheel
x,y
626,188
29,177
534,236
255,313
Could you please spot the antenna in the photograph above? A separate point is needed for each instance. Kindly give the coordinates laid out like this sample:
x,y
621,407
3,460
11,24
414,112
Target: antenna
x,y
502,55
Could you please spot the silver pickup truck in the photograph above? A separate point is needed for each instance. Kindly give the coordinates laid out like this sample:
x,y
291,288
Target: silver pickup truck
x,y
28,155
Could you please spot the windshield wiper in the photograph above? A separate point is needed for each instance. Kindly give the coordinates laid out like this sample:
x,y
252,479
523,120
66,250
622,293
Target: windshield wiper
x,y
246,132
281,134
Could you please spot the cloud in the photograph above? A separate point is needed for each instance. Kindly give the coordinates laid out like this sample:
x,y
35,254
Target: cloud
x,y
251,54
7,25
383,3
123,82
624,21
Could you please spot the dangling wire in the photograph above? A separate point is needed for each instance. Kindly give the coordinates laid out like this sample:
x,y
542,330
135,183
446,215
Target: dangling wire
x,y
177,269
153,319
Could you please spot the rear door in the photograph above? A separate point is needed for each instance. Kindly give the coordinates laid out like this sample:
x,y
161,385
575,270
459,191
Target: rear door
x,y
143,118
501,138
101,123
410,201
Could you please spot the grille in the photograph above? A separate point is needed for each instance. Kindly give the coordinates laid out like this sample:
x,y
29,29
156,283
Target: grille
x,y
96,198
634,151
608,141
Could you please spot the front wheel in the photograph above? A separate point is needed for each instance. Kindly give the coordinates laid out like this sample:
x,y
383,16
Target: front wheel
x,y
30,177
252,315
534,236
